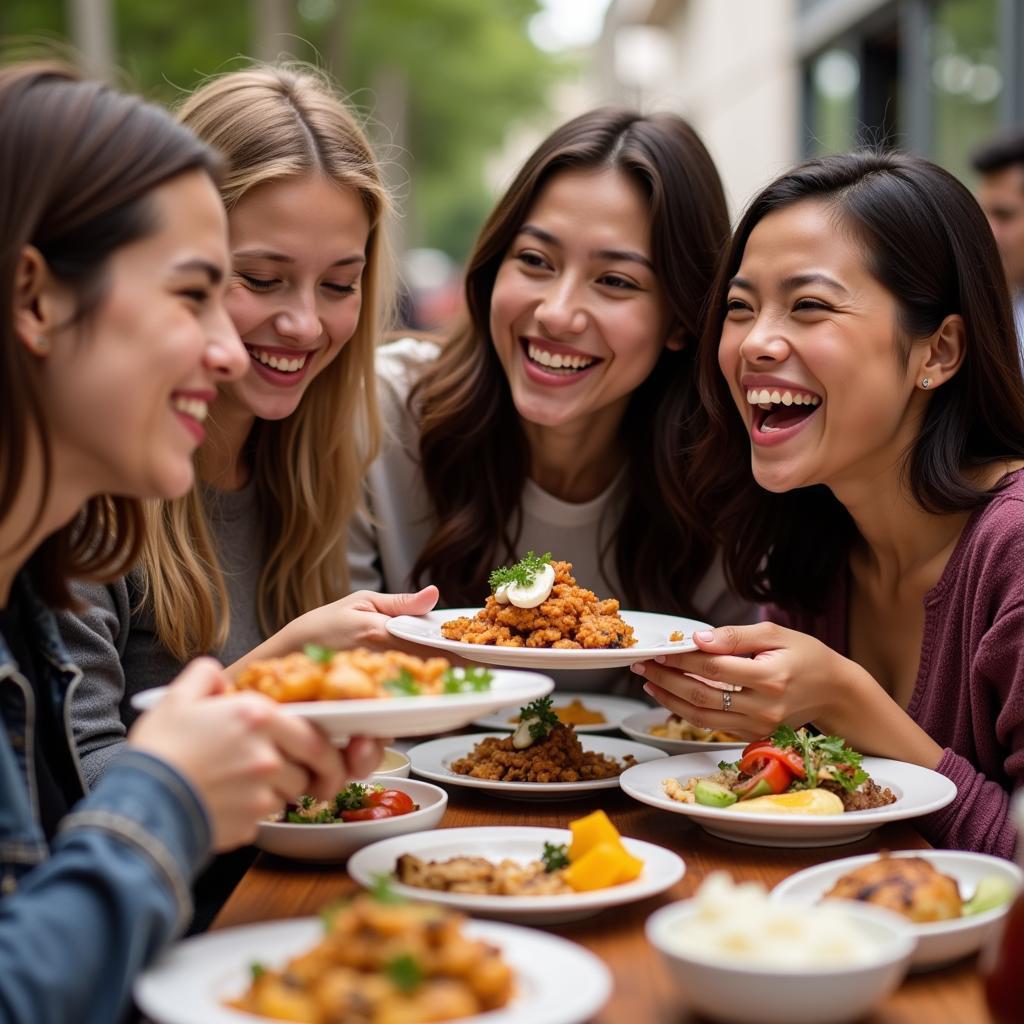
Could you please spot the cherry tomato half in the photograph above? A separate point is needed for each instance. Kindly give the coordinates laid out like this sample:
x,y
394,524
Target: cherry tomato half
x,y
394,799
755,755
367,814
773,776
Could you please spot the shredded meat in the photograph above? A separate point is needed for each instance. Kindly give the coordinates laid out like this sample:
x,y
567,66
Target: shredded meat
x,y
866,797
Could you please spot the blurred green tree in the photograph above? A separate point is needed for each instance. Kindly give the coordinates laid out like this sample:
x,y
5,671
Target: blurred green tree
x,y
440,80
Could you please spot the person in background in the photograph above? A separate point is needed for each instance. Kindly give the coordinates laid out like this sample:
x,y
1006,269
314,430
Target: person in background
x,y
1000,164
113,338
862,330
559,416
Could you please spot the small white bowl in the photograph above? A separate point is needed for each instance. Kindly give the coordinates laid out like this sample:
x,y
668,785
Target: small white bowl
x,y
736,993
938,942
332,843
394,764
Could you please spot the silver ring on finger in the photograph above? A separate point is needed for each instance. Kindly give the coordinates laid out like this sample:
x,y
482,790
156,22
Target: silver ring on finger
x,y
726,700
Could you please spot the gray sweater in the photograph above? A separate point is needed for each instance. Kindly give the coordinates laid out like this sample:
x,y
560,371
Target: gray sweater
x,y
114,642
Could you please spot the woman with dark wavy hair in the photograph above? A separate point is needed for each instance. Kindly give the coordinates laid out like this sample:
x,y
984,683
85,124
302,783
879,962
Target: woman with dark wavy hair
x,y
560,416
862,328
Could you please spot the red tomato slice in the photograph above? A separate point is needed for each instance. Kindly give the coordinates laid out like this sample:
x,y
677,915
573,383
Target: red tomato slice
x,y
773,776
394,799
367,814
756,755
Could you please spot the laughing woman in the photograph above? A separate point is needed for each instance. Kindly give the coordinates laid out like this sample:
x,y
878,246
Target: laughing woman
x,y
559,417
252,563
864,333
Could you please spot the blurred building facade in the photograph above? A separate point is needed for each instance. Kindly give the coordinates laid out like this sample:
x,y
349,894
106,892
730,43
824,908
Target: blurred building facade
x,y
768,82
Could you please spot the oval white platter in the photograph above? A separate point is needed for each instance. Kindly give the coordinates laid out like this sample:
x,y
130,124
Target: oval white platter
x,y
650,629
918,791
557,982
522,843
431,761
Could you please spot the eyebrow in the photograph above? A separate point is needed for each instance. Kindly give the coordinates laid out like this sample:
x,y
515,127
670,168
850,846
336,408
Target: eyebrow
x,y
212,271
796,281
604,254
279,257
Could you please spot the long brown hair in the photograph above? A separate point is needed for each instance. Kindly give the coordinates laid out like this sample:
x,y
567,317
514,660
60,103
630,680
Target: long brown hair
x,y
928,243
273,123
77,163
662,547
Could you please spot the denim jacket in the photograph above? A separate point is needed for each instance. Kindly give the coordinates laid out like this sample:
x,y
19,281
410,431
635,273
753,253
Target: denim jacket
x,y
80,919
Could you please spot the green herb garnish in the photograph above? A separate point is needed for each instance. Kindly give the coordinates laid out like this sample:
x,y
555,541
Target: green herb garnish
x,y
257,970
555,856
382,892
728,766
318,653
404,685
467,680
352,797
821,752
542,718
405,971
523,573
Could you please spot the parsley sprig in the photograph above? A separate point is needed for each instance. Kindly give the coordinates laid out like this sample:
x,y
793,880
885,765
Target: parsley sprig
x,y
541,715
523,573
318,653
555,856
403,685
820,753
406,972
467,680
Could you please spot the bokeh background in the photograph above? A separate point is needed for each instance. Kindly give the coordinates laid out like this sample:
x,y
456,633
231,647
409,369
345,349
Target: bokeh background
x,y
457,92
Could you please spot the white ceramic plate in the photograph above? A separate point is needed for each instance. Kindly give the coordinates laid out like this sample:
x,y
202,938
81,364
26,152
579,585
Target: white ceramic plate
x,y
939,942
662,869
332,843
638,726
402,716
651,631
918,791
430,760
614,709
394,764
557,982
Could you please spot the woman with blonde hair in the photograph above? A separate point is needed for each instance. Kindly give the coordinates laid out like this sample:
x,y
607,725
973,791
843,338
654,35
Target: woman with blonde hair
x,y
253,562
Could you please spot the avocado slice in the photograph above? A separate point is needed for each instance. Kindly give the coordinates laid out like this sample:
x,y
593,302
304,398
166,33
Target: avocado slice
x,y
713,794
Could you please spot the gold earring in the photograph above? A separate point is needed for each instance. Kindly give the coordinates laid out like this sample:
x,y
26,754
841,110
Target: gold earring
x,y
926,383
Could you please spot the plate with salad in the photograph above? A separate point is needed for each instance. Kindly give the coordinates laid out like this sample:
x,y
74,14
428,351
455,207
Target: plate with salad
x,y
362,813
793,788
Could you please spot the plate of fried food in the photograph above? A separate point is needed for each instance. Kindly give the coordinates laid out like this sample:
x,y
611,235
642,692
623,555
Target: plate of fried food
x,y
522,873
542,760
537,616
790,789
380,958
954,900
585,712
674,734
379,693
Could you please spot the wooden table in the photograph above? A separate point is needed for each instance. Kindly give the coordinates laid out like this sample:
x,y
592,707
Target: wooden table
x,y
644,992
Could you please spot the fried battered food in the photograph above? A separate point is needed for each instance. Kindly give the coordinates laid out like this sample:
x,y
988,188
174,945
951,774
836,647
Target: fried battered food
x,y
558,757
481,877
347,675
676,728
385,963
910,886
571,617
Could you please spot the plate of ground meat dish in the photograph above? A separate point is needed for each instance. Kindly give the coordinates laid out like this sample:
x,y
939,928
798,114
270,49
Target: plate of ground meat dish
x,y
790,789
538,616
542,760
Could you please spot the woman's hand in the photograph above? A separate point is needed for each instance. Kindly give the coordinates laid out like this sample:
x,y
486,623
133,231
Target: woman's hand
x,y
791,678
357,620
783,677
244,758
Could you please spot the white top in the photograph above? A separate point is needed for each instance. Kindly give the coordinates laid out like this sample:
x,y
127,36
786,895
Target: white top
x,y
383,552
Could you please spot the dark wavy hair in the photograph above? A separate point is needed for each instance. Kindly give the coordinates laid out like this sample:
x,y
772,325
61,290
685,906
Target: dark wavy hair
x,y
78,161
474,454
926,240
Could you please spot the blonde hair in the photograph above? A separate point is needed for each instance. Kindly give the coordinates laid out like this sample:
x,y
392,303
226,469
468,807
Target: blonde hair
x,y
273,123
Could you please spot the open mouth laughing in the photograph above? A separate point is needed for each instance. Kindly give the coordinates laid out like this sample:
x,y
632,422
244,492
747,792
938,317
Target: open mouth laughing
x,y
279,366
548,361
779,411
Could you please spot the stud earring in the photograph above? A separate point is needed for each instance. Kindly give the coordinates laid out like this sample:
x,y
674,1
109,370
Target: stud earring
x,y
42,344
926,383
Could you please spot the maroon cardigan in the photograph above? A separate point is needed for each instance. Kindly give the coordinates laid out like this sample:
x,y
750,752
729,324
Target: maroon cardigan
x,y
969,693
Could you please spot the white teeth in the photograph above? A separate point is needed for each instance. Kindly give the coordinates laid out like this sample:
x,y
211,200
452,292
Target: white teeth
x,y
556,360
766,399
194,407
280,363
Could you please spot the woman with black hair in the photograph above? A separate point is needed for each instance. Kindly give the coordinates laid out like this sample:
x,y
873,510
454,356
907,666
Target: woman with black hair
x,y
862,328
